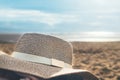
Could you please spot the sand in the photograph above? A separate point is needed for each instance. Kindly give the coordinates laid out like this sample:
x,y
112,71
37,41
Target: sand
x,y
7,47
100,58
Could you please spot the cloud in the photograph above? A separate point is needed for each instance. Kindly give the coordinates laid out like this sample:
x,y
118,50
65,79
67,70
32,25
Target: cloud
x,y
35,16
97,6
110,17
95,24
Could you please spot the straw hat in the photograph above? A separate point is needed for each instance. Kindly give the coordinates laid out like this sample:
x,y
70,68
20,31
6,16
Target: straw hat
x,y
43,56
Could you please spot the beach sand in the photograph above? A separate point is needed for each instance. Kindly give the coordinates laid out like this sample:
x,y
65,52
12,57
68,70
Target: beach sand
x,y
100,58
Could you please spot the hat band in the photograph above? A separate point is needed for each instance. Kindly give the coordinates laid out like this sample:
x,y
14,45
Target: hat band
x,y
40,59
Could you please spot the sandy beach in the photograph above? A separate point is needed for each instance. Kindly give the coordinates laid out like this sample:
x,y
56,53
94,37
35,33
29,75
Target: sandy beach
x,y
100,58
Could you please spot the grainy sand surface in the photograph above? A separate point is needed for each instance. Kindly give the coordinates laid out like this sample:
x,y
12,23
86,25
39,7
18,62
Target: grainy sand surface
x,y
7,47
101,58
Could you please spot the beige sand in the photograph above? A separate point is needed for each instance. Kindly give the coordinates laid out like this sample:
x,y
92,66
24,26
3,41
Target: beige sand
x,y
101,58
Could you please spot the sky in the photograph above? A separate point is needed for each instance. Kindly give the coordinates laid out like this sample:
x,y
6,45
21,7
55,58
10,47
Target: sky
x,y
19,16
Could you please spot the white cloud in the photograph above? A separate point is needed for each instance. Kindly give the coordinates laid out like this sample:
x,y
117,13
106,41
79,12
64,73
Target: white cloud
x,y
108,17
98,24
97,6
35,16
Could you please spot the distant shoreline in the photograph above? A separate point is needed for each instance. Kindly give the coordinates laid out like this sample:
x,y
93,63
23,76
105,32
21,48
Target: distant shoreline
x,y
80,37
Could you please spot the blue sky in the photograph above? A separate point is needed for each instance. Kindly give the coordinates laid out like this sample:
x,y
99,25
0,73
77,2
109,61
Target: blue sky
x,y
17,16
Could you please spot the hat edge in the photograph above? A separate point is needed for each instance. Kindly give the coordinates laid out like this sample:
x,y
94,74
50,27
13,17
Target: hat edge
x,y
83,73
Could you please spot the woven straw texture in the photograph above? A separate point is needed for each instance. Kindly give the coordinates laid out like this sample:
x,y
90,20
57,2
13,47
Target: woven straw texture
x,y
39,70
46,46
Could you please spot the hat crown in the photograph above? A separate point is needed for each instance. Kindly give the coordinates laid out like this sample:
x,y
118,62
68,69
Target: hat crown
x,y
46,46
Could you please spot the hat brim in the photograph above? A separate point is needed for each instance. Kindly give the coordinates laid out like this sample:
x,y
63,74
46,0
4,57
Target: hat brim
x,y
79,72
40,70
